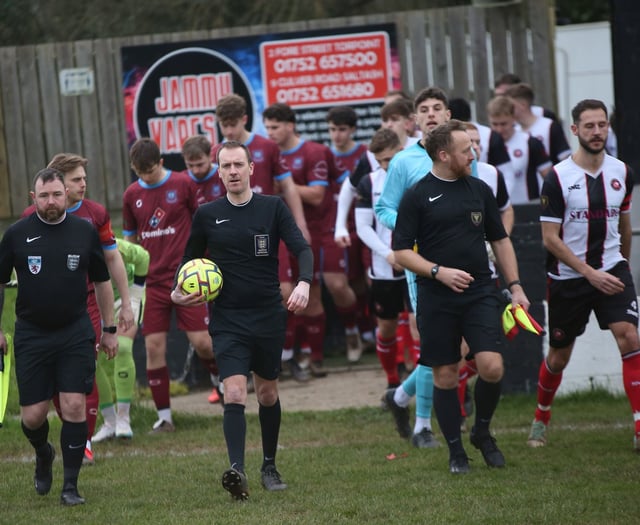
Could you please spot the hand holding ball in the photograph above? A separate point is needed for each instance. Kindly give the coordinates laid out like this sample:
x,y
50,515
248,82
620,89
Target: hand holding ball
x,y
201,276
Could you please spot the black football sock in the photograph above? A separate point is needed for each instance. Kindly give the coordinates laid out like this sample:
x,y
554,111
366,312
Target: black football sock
x,y
38,438
486,396
73,439
234,425
270,418
447,408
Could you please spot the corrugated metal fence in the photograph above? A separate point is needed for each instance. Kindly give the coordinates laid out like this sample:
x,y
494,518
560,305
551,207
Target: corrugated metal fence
x,y
460,49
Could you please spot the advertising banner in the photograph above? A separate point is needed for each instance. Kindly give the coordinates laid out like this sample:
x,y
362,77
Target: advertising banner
x,y
171,90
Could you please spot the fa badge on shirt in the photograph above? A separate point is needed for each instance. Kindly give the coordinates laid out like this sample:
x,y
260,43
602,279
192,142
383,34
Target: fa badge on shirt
x,y
261,244
72,262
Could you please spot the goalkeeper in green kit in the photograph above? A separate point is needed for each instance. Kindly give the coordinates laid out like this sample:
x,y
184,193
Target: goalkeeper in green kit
x,y
118,376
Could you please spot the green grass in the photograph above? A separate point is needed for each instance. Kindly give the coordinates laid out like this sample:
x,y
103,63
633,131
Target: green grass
x,y
338,472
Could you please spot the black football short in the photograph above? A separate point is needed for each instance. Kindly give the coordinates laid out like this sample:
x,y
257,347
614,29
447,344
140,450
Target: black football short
x,y
571,302
53,361
249,340
444,317
389,297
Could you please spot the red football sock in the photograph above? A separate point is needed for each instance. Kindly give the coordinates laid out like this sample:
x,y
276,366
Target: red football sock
x,y
386,349
548,384
92,402
415,352
290,332
158,379
315,328
347,316
364,318
631,380
210,364
466,372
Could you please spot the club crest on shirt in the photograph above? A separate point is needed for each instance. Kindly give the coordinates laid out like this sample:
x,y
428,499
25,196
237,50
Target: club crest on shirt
x,y
35,264
261,244
476,218
616,185
544,201
172,196
258,155
157,216
73,261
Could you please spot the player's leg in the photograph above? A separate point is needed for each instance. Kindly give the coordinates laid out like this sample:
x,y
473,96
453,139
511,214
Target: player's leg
x,y
334,269
104,382
157,318
75,371
194,322
124,379
234,360
265,361
620,314
387,301
36,385
568,317
485,337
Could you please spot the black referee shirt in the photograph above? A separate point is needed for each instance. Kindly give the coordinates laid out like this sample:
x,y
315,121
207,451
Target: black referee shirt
x,y
52,262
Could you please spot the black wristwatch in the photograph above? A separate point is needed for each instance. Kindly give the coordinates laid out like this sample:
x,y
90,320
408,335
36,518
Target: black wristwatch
x,y
109,329
434,271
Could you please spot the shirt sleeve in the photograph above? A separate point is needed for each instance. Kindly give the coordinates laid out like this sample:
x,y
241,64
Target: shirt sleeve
x,y
551,199
394,187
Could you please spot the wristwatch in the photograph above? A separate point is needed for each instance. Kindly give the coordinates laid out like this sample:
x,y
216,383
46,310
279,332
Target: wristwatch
x,y
109,329
434,271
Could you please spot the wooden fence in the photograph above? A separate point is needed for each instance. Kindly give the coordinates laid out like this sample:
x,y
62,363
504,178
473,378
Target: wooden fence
x,y
461,49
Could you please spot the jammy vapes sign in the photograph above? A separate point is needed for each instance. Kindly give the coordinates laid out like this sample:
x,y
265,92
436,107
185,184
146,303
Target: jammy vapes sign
x,y
171,90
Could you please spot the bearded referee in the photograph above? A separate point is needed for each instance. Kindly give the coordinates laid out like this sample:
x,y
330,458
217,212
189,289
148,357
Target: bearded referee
x,y
54,254
241,232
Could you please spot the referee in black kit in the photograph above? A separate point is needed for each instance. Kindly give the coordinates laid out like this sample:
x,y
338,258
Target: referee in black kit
x,y
450,214
54,253
241,233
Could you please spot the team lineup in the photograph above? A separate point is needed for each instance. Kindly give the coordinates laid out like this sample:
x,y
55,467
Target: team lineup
x,y
409,236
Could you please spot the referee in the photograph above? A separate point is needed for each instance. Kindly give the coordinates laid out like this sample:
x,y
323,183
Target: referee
x,y
54,254
449,214
241,232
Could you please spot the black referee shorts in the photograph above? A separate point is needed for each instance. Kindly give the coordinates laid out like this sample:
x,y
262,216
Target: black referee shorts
x,y
249,340
444,317
53,361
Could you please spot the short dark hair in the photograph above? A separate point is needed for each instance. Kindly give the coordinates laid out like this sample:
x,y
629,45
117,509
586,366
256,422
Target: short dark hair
x,y
48,175
399,106
508,78
196,146
383,139
440,137
144,154
280,112
231,108
342,116
586,104
233,144
431,92
460,109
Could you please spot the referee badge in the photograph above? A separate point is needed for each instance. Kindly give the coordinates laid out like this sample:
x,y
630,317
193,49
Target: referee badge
x,y
261,244
35,264
73,261
476,218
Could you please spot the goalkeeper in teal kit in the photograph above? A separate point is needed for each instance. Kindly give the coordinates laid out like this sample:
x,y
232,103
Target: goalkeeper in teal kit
x,y
116,378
